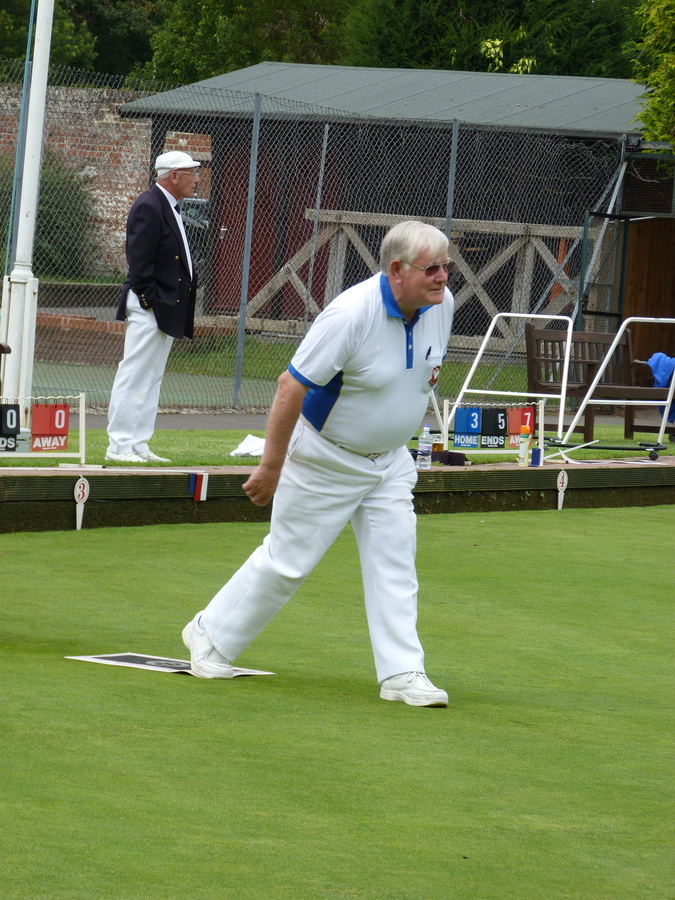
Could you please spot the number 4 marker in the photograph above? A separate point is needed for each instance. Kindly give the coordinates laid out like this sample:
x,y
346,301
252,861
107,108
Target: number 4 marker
x,y
562,482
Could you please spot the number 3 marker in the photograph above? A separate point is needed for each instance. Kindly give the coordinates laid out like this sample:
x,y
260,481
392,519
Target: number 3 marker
x,y
81,494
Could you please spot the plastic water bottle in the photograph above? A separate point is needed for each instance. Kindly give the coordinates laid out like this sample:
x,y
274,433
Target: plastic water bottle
x,y
424,450
525,445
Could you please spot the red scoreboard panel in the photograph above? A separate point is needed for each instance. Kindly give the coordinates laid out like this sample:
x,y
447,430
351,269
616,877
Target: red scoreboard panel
x,y
49,426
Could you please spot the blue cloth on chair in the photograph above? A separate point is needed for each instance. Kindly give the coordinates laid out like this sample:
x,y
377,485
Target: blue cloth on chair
x,y
662,367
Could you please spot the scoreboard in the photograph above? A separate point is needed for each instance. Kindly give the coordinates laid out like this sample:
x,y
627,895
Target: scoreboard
x,y
49,426
491,428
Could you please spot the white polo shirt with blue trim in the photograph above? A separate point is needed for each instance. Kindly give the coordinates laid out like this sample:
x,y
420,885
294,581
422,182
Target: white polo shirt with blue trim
x,y
369,371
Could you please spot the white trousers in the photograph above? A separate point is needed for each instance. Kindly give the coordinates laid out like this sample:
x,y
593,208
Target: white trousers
x,y
135,394
321,488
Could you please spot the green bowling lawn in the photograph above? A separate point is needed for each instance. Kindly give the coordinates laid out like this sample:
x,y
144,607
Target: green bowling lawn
x,y
549,776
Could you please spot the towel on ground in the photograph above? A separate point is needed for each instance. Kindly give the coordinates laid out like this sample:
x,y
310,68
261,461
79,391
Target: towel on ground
x,y
250,446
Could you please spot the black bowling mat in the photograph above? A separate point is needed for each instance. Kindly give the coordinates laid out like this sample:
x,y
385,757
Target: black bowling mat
x,y
156,663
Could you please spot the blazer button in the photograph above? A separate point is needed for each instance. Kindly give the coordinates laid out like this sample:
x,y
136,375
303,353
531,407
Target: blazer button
x,y
176,257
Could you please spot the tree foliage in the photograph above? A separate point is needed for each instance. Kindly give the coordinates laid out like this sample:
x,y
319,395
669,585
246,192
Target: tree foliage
x,y
64,230
584,37
579,37
121,29
425,34
183,41
112,35
655,67
216,36
72,44
64,234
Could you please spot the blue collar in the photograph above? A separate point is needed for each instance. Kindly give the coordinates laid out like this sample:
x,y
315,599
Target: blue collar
x,y
392,307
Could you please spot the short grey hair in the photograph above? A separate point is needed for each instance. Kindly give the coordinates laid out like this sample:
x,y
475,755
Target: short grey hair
x,y
407,240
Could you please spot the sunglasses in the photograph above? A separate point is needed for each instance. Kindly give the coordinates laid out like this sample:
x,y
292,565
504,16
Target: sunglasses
x,y
434,269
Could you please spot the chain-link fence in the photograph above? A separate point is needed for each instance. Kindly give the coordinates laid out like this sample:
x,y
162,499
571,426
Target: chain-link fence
x,y
293,203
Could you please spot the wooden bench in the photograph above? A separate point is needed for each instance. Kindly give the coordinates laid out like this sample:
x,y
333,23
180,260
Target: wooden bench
x,y
623,379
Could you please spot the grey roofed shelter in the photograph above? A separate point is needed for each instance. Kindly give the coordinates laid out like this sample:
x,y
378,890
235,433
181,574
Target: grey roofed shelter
x,y
531,151
556,104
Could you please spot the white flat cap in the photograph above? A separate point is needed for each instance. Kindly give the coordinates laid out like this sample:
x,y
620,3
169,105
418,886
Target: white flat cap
x,y
175,159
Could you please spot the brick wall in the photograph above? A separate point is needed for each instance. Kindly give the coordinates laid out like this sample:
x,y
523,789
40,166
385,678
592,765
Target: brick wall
x,y
113,154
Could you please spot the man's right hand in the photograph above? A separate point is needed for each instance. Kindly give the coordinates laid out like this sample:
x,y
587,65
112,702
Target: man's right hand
x,y
263,481
261,485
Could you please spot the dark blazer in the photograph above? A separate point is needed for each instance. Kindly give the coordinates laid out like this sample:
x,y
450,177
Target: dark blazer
x,y
159,273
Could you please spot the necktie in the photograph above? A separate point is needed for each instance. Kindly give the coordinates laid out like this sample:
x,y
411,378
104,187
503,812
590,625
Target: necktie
x,y
185,240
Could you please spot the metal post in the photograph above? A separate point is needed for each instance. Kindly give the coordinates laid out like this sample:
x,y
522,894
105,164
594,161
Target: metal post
x,y
17,181
585,281
253,167
315,229
19,303
451,178
13,224
579,311
625,226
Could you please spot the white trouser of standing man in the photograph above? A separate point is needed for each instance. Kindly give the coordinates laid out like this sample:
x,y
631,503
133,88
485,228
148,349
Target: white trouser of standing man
x,y
135,394
322,487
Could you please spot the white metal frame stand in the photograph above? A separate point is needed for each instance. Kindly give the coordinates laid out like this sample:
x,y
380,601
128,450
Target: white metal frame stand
x,y
605,402
445,421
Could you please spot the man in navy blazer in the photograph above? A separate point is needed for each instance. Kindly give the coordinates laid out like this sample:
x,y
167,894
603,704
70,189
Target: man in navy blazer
x,y
158,303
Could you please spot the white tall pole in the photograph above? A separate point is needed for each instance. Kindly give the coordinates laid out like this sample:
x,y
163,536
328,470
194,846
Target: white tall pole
x,y
19,289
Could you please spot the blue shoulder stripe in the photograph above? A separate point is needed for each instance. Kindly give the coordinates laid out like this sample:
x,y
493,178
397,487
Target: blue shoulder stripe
x,y
301,378
319,401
